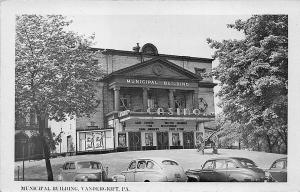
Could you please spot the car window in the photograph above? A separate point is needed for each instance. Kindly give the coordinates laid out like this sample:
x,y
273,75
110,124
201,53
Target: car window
x,y
72,166
141,165
220,164
247,163
209,165
96,165
82,165
66,166
169,162
132,165
230,165
278,165
151,165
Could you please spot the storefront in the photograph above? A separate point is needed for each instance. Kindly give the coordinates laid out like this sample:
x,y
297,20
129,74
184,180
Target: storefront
x,y
142,131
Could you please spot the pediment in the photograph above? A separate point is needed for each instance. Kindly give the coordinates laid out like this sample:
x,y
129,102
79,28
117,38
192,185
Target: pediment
x,y
157,68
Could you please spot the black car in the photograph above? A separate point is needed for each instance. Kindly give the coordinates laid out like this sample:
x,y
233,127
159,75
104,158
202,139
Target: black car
x,y
278,171
227,169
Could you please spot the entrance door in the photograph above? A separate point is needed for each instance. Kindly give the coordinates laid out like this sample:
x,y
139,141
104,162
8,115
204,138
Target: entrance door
x,y
134,141
188,140
162,140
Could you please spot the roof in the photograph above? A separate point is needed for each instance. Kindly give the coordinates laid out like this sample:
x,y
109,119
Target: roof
x,y
189,74
236,158
156,159
166,56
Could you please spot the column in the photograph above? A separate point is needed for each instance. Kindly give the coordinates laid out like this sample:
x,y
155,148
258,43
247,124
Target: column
x,y
145,99
171,98
196,104
117,98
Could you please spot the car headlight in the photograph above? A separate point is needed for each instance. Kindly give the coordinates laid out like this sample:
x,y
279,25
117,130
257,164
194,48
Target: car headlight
x,y
114,179
85,178
59,178
267,174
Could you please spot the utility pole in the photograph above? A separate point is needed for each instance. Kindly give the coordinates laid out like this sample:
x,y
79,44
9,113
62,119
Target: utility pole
x,y
60,140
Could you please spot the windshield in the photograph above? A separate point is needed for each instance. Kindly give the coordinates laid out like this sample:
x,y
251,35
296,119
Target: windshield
x,y
169,162
247,163
90,165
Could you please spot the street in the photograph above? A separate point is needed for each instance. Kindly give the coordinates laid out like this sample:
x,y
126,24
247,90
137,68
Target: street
x,y
117,162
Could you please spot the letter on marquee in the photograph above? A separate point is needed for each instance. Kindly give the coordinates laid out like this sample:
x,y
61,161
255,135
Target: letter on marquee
x,y
149,110
178,111
196,111
186,111
170,111
160,111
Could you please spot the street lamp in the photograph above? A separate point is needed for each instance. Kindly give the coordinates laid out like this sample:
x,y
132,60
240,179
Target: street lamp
x,y
23,141
60,140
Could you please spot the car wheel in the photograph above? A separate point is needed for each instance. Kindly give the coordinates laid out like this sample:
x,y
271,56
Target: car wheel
x,y
191,180
146,181
233,180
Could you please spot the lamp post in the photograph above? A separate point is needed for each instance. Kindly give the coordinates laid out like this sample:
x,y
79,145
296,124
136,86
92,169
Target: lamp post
x,y
23,141
60,140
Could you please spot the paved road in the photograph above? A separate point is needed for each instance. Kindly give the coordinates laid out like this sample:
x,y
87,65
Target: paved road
x,y
188,158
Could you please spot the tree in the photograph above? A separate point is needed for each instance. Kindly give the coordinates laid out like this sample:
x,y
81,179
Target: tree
x,y
253,75
55,72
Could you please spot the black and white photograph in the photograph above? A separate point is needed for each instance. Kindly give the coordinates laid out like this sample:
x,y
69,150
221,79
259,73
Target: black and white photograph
x,y
96,96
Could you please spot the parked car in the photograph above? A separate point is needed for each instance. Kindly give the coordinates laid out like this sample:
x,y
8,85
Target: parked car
x,y
83,171
277,171
227,169
152,169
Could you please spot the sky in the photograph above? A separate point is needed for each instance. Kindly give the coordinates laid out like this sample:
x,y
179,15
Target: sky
x,y
171,34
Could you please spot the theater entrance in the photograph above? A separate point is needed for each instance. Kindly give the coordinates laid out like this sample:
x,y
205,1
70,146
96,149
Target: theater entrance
x,y
162,140
134,139
188,140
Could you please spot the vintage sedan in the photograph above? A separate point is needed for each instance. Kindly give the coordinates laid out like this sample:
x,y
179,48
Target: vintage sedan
x,y
277,171
152,169
82,171
227,169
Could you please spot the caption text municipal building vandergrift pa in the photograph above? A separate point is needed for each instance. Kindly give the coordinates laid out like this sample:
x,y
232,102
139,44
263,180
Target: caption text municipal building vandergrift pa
x,y
149,101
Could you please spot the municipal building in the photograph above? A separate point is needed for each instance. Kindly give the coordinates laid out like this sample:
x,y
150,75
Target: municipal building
x,y
149,101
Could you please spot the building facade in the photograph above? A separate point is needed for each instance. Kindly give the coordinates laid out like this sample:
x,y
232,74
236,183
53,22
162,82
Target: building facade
x,y
149,101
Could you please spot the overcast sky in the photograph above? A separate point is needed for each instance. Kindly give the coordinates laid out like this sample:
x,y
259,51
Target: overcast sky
x,y
171,34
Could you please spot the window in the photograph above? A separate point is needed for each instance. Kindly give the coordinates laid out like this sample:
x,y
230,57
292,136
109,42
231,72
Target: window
x,y
72,166
124,102
200,71
220,164
247,163
83,165
230,165
153,95
95,165
66,166
175,139
132,165
278,165
122,139
169,162
150,165
95,61
179,102
149,139
208,165
141,165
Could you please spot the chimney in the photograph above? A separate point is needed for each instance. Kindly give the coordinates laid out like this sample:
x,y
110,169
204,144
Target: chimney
x,y
136,48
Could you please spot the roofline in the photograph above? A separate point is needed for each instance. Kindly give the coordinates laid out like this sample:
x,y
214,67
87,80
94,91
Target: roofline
x,y
132,53
120,71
